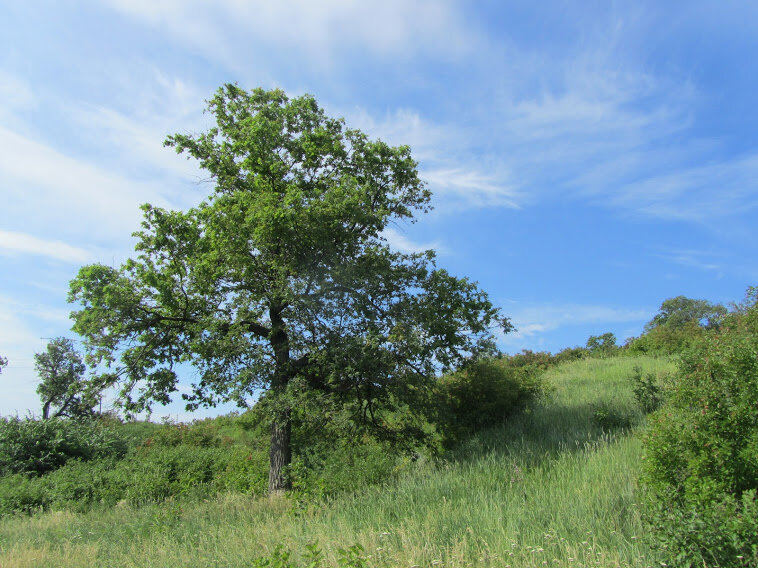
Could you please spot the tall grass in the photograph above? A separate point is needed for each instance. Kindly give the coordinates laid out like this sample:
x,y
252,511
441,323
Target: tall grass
x,y
550,488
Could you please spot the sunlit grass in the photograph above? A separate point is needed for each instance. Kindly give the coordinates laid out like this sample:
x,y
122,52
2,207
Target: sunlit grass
x,y
548,489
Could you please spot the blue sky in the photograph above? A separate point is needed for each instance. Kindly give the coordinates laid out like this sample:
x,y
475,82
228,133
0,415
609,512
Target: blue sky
x,y
588,159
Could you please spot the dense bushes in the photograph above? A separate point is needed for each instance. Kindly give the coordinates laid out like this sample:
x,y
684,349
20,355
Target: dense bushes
x,y
701,469
36,447
198,460
486,392
152,472
665,340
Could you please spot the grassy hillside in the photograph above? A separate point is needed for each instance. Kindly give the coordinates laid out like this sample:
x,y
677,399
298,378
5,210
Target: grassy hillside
x,y
552,488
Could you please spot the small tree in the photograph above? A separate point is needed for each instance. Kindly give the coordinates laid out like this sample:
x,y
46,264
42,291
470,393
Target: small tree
x,y
678,323
602,345
3,363
64,389
680,312
281,281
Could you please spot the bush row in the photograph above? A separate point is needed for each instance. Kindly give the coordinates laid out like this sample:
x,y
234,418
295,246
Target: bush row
x,y
148,476
36,447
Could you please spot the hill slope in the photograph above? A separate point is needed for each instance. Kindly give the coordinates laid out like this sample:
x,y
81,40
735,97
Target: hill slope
x,y
551,488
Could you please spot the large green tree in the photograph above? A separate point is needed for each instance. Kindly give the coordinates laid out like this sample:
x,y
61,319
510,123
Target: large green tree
x,y
281,281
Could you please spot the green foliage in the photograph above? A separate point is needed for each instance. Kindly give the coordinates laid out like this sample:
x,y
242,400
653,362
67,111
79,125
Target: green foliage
x,y
279,558
36,447
646,390
717,530
151,475
349,465
202,434
63,387
679,323
602,345
351,557
21,494
681,312
701,467
665,340
570,354
486,392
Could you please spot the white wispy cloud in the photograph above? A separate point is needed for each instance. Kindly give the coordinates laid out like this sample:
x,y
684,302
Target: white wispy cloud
x,y
531,320
456,176
700,193
317,31
20,338
22,243
471,187
138,142
73,195
402,243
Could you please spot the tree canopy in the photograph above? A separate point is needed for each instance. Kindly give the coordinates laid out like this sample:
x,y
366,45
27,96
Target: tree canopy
x,y
281,281
602,345
679,312
63,389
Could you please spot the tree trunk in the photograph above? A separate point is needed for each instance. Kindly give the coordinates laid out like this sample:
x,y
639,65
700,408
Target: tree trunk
x,y
46,410
280,455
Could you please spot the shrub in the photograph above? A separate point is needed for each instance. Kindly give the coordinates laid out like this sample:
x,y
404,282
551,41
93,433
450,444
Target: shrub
x,y
484,394
570,354
701,469
20,494
36,447
348,465
148,476
646,391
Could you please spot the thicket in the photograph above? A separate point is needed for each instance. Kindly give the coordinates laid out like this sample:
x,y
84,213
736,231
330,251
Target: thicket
x,y
487,392
152,463
36,447
67,464
701,468
679,324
